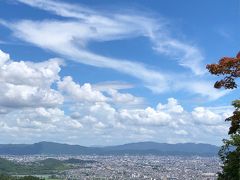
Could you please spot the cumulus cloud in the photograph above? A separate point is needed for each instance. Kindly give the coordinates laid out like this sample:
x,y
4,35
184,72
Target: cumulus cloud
x,y
163,114
25,96
27,73
32,110
167,122
146,116
172,106
80,93
26,84
106,123
91,93
124,98
206,116
36,124
3,57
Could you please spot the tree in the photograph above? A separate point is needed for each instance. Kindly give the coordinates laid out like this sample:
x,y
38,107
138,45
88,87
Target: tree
x,y
8,177
29,178
230,156
229,153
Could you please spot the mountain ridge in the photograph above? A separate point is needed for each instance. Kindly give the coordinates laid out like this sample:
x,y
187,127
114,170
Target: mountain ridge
x,y
136,148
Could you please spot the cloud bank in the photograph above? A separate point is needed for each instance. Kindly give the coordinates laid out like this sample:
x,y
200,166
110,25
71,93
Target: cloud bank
x,y
37,104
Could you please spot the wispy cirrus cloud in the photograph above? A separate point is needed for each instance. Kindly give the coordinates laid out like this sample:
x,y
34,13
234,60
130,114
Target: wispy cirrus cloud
x,y
117,26
70,38
117,85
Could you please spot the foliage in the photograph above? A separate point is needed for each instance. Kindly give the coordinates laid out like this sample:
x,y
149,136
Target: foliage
x,y
235,118
230,151
230,156
50,164
46,166
230,68
7,177
79,161
29,178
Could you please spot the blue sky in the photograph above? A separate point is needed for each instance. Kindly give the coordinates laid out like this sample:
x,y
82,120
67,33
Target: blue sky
x,y
88,72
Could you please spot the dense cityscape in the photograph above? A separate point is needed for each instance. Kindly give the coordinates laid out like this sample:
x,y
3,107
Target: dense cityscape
x,y
131,167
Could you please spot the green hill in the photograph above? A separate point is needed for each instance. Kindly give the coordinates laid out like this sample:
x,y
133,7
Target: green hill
x,y
7,167
7,177
47,166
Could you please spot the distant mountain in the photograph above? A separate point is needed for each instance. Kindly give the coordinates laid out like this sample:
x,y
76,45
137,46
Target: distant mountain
x,y
165,149
141,148
42,148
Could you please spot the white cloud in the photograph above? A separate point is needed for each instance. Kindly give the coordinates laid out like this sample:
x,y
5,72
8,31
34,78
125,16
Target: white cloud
x,y
160,119
86,92
117,85
3,57
99,125
181,132
26,84
124,98
209,116
206,89
201,87
96,120
163,115
74,124
103,112
79,93
33,74
32,110
36,123
70,38
146,116
25,96
96,23
172,106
